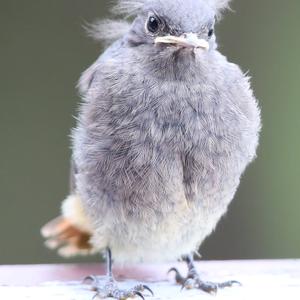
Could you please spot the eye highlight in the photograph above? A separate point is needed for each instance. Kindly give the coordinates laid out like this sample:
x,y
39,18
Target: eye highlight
x,y
153,24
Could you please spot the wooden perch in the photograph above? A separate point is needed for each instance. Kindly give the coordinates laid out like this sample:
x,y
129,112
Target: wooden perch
x,y
261,280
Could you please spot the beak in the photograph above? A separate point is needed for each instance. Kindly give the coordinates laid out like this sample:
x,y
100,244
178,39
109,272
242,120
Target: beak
x,y
187,40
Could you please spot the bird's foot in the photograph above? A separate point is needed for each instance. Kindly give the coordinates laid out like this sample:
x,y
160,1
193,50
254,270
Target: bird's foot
x,y
111,289
193,281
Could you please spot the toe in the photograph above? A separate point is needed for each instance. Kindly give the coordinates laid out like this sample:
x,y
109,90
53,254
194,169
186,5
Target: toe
x,y
188,284
124,295
93,280
142,288
110,289
178,277
229,284
137,293
90,278
208,287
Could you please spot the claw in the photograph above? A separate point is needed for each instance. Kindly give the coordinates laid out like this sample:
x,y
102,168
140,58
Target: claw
x,y
139,294
178,277
229,284
95,296
142,288
235,282
90,278
94,282
173,270
145,287
177,274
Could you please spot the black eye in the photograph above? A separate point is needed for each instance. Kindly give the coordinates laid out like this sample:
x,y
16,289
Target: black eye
x,y
153,24
210,32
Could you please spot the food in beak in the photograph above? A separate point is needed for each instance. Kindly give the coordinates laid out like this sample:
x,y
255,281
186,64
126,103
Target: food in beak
x,y
189,40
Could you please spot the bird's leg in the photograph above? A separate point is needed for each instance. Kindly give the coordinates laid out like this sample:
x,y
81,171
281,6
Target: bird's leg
x,y
193,280
110,288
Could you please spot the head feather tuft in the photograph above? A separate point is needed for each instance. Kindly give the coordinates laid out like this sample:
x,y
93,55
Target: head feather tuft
x,y
107,31
127,8
220,6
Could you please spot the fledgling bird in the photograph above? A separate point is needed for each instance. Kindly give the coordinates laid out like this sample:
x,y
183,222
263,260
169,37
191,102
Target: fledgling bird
x,y
165,130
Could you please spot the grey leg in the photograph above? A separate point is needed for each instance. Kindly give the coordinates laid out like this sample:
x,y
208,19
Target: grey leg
x,y
110,288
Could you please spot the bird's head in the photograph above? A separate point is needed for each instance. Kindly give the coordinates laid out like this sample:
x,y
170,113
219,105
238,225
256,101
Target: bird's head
x,y
161,24
175,24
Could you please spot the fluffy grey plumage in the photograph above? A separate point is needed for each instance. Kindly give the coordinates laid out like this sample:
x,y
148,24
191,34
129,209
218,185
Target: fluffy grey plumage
x,y
165,132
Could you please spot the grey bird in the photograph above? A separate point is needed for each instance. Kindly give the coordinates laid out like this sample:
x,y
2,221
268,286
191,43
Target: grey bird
x,y
165,130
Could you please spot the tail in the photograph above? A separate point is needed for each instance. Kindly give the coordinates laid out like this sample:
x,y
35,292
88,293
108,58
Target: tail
x,y
70,233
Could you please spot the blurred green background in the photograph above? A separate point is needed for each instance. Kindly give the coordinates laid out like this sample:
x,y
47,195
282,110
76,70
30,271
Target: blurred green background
x,y
43,50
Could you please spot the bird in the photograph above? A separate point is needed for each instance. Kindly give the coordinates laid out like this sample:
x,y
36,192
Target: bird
x,y
165,129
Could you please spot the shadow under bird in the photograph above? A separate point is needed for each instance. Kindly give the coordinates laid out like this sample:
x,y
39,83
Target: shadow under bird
x,y
165,130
